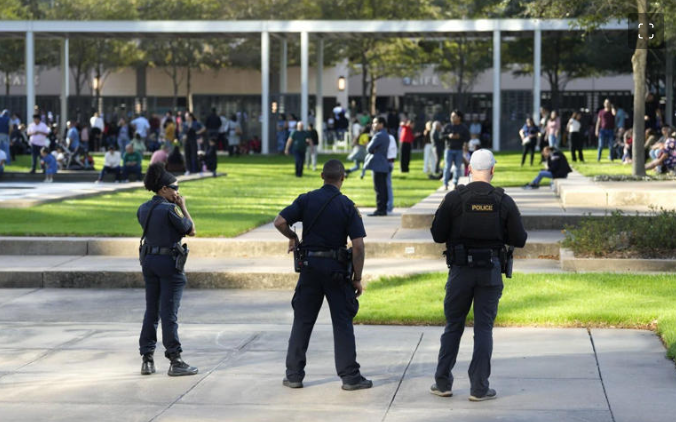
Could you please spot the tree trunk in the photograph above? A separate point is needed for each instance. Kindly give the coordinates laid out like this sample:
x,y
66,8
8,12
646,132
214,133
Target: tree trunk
x,y
364,76
174,80
189,90
373,95
638,62
7,84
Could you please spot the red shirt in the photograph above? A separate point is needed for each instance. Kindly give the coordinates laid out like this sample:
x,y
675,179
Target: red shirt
x,y
607,119
406,134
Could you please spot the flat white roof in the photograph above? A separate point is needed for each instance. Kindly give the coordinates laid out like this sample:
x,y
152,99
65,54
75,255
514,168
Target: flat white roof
x,y
419,28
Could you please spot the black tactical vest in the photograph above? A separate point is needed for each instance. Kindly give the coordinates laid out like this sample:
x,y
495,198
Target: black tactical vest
x,y
480,219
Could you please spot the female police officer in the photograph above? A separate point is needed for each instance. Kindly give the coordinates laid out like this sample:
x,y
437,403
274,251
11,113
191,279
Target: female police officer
x,y
165,220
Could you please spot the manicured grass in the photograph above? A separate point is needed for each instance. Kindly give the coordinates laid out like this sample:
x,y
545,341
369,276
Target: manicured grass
x,y
253,193
591,167
553,300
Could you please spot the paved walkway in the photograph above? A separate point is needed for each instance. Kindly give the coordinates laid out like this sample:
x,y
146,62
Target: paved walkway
x,y
70,355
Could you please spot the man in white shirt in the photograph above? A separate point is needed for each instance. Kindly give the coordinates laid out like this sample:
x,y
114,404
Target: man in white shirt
x,y
111,164
141,126
391,156
37,131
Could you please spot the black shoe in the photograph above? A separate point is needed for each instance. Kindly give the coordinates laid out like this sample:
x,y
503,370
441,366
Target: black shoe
x,y
148,366
377,214
359,385
178,368
292,384
441,393
490,395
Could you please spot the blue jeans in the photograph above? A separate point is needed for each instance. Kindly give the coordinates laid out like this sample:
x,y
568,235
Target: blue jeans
x,y
4,145
606,138
300,161
390,197
541,175
131,170
452,156
553,141
35,155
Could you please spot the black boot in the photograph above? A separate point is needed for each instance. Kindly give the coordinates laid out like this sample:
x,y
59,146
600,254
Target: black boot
x,y
179,368
148,366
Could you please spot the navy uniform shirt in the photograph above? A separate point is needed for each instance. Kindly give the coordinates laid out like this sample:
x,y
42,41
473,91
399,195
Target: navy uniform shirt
x,y
167,224
340,219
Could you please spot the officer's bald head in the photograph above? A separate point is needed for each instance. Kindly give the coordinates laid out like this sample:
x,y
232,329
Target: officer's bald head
x,y
333,172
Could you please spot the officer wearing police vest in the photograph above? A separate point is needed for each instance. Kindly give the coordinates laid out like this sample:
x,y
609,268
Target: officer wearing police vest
x,y
165,221
327,268
476,222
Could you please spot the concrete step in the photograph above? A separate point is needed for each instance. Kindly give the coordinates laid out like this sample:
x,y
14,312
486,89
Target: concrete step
x,y
549,222
405,243
203,273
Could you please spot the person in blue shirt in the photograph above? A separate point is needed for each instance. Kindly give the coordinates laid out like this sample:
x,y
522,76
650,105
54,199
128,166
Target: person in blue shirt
x,y
376,161
50,165
73,137
4,135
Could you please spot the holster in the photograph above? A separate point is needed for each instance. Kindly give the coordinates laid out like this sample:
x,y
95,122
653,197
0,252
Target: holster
x,y
298,258
142,252
456,256
507,261
348,260
181,255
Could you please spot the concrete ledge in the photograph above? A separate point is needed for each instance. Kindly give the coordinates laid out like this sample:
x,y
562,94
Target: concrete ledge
x,y
570,263
43,246
531,222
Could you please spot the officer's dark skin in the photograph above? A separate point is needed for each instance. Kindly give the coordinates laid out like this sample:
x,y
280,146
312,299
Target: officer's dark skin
x,y
173,196
357,244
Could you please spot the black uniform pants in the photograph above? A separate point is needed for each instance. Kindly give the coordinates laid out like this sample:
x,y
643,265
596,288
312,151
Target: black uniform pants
x,y
439,146
313,285
380,186
164,289
484,288
405,156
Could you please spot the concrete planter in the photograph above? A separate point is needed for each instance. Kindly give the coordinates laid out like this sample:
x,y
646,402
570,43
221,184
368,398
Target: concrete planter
x,y
615,265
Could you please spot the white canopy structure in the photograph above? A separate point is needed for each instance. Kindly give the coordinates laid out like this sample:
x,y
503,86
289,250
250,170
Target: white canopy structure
x,y
318,29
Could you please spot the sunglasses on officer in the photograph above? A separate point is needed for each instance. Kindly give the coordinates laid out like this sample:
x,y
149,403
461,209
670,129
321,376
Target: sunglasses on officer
x,y
173,187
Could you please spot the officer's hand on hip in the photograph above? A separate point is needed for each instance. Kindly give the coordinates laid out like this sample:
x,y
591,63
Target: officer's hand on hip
x,y
358,289
293,243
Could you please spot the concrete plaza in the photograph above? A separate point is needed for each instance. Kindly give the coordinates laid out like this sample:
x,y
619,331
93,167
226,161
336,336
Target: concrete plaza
x,y
71,355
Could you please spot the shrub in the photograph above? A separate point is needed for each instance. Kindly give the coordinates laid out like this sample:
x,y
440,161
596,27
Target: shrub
x,y
619,235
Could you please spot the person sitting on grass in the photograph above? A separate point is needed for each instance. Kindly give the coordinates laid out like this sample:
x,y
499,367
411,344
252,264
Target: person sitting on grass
x,y
161,155
666,159
557,167
131,163
111,164
50,165
61,157
139,144
210,157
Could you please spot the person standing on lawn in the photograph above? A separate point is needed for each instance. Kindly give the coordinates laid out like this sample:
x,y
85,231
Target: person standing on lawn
x,y
476,222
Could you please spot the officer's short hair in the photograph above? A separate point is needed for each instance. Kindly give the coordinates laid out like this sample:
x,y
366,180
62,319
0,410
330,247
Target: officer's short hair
x,y
459,114
333,171
381,120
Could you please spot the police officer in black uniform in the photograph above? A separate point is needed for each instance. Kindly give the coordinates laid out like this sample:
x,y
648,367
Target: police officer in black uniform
x,y
165,220
325,270
476,222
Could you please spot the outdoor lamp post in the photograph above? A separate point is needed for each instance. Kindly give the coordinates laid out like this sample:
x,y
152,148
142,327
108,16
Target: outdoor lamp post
x,y
341,83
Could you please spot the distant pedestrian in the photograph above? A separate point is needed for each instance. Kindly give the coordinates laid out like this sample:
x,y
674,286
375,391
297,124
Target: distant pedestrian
x,y
213,124
605,130
297,144
3,161
311,153
161,155
429,154
406,139
391,157
50,165
234,132
575,136
553,130
211,156
192,131
438,139
122,134
131,163
529,138
377,162
37,131
97,125
455,135
111,164
141,126
4,135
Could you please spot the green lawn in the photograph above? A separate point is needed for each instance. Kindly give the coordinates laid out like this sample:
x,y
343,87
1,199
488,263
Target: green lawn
x,y
254,191
556,300
591,167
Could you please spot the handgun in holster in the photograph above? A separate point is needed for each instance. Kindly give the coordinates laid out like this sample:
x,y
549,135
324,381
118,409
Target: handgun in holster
x,y
142,252
507,261
181,255
345,255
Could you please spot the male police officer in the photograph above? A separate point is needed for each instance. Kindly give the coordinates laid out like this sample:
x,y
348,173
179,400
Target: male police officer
x,y
475,222
328,218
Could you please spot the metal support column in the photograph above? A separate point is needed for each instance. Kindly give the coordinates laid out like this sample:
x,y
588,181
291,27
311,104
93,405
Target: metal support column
x,y
265,92
319,106
65,86
30,77
537,71
496,90
283,78
304,92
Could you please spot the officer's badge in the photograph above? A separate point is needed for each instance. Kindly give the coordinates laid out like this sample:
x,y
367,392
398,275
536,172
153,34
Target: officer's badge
x,y
178,211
